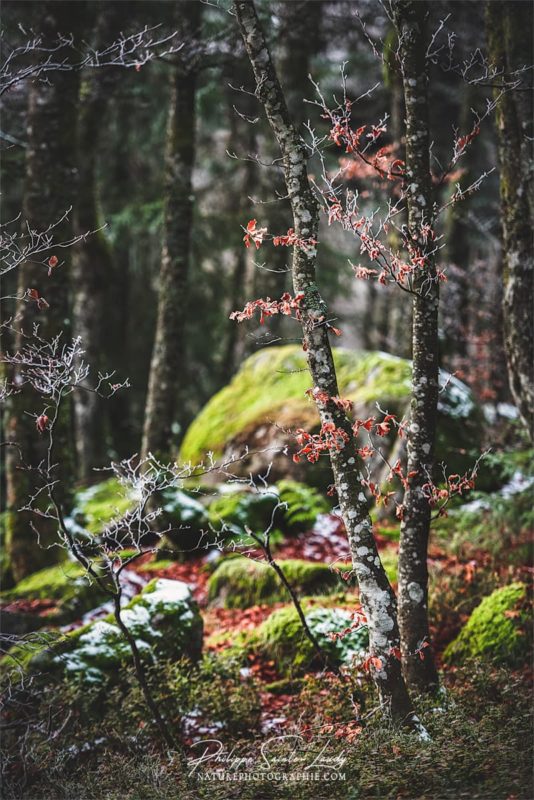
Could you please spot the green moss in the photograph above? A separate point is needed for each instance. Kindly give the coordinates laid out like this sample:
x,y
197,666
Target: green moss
x,y
6,573
152,566
163,618
67,583
390,561
282,638
241,582
97,505
230,514
303,504
271,387
496,630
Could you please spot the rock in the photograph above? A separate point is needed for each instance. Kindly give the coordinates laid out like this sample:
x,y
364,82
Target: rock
x,y
182,515
267,398
242,582
303,505
498,630
187,520
289,506
282,638
95,506
65,583
166,624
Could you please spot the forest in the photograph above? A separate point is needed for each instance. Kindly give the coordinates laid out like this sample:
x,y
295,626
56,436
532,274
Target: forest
x,y
266,399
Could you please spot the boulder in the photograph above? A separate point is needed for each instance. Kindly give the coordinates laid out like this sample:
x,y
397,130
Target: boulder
x,y
267,399
242,582
499,629
67,584
288,506
164,619
282,638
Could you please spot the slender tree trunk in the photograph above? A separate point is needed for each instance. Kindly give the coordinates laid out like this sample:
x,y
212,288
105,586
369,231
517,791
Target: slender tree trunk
x,y
168,370
93,268
509,33
298,41
378,599
419,666
398,316
49,193
455,306
242,139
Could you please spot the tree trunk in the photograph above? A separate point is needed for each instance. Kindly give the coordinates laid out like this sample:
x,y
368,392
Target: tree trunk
x,y
419,666
168,370
398,316
49,193
93,268
455,306
298,41
242,139
509,33
378,599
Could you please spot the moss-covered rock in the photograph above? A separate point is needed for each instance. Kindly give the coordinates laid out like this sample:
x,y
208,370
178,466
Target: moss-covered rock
x,y
182,515
166,624
288,506
232,513
282,638
242,582
498,630
95,506
302,504
186,519
268,396
67,583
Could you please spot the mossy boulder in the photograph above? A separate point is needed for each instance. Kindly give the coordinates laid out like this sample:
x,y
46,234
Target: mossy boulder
x,y
164,619
302,504
289,506
498,630
242,582
186,519
267,397
233,512
66,583
95,506
182,515
282,638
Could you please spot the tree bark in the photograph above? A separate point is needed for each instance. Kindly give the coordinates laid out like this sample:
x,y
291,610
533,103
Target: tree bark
x,y
93,268
50,190
419,666
509,33
298,41
168,370
377,597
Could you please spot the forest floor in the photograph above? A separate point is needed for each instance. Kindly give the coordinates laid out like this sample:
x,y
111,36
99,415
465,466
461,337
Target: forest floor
x,y
480,726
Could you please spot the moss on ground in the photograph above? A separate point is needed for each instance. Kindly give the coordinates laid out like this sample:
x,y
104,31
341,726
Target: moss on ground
x,y
242,582
67,583
497,630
